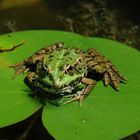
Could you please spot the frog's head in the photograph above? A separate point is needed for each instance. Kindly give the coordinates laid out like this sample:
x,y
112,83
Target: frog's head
x,y
59,78
61,69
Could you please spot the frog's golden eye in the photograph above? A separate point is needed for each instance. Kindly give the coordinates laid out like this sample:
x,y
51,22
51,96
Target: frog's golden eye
x,y
64,67
70,70
67,69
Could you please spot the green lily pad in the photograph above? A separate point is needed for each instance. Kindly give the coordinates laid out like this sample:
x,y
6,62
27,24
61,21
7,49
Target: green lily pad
x,y
105,114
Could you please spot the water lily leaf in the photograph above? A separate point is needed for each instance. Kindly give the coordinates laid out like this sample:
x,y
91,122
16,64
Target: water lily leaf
x,y
105,114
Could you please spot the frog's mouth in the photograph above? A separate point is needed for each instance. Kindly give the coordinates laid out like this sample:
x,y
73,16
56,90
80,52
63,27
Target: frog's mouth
x,y
49,92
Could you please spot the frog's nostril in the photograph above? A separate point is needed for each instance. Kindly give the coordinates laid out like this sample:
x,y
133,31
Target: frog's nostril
x,y
57,84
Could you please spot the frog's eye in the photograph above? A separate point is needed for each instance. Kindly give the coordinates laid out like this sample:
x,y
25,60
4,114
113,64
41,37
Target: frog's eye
x,y
64,67
70,70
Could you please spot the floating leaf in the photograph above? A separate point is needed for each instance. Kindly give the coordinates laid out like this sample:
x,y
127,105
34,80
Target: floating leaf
x,y
105,114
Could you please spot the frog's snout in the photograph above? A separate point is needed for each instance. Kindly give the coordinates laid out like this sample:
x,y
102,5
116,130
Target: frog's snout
x,y
57,84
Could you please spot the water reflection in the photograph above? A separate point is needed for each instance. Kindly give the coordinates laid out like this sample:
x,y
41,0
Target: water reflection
x,y
27,14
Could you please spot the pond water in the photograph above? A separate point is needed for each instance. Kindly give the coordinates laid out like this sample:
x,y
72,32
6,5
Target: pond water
x,y
16,15
110,19
28,16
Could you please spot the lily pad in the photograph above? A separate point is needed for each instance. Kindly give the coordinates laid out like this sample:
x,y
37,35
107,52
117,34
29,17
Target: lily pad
x,y
105,114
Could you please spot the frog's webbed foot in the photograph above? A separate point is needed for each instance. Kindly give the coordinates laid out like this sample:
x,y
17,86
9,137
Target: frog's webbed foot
x,y
100,64
112,76
80,95
19,68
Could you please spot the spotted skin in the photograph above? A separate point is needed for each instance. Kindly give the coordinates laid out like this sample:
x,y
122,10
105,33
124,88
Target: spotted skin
x,y
55,71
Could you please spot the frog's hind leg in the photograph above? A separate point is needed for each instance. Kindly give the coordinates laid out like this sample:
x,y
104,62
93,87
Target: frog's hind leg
x,y
100,64
27,64
19,68
80,95
36,92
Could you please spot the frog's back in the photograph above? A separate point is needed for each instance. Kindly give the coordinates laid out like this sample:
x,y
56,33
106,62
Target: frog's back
x,y
63,56
63,67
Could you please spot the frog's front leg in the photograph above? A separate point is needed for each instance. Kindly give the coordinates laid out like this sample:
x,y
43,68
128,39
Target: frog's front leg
x,y
27,64
29,80
80,95
97,63
90,84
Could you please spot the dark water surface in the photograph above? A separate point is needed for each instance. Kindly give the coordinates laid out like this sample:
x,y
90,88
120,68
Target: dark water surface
x,y
35,15
16,15
43,14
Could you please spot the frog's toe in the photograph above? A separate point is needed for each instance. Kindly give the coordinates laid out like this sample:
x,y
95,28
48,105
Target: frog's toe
x,y
111,78
114,70
79,96
106,79
19,68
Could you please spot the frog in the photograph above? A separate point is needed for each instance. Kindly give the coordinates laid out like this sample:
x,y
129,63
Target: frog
x,y
55,72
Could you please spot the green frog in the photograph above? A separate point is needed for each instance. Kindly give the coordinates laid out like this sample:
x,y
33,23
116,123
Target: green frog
x,y
54,72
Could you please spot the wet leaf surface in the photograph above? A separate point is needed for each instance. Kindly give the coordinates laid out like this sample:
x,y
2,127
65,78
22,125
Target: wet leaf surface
x,y
105,114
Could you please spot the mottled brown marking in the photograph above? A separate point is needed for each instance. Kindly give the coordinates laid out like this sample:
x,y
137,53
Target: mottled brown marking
x,y
37,56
